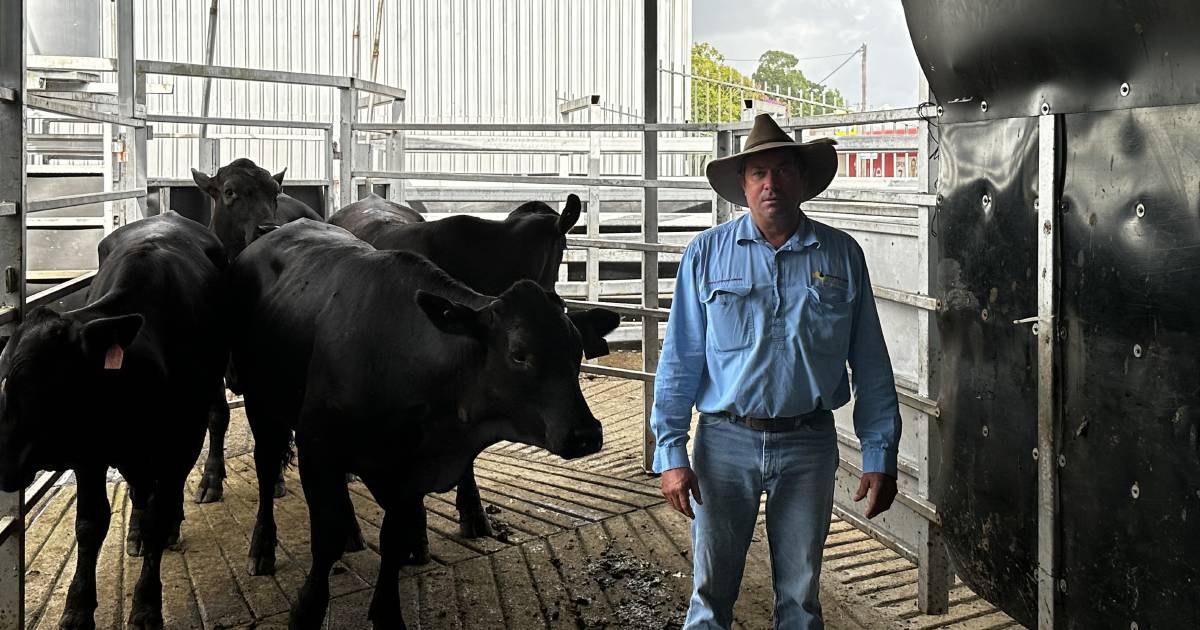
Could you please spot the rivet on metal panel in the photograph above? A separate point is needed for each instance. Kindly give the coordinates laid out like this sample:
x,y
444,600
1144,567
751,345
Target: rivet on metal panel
x,y
985,430
1137,350
940,199
1124,89
987,199
1035,329
12,279
940,110
1035,453
1062,586
983,315
1135,491
1140,209
1062,461
983,106
1047,227
1045,108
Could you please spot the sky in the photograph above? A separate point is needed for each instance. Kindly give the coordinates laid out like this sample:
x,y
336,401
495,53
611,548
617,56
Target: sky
x,y
744,29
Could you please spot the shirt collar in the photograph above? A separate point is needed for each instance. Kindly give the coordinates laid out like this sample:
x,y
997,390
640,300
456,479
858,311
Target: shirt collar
x,y
806,234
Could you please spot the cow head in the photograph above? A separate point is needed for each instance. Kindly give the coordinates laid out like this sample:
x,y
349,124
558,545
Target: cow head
x,y
556,225
50,372
244,197
526,385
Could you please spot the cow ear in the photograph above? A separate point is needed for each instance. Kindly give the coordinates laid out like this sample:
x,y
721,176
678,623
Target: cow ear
x,y
107,338
593,324
570,214
450,317
204,182
278,177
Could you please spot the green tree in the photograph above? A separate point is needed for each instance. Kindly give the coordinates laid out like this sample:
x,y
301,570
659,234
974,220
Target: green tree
x,y
717,88
777,72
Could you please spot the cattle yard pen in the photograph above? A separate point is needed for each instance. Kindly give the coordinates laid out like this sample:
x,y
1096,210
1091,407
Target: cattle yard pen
x,y
896,226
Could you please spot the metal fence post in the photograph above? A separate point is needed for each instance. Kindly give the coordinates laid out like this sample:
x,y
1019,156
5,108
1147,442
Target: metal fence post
x,y
396,153
1048,395
934,576
131,98
593,211
12,270
347,113
649,219
722,210
332,190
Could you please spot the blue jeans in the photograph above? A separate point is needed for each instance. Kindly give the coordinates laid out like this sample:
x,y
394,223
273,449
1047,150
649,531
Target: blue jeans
x,y
734,466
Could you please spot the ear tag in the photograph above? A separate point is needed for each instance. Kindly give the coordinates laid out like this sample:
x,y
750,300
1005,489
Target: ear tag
x,y
114,357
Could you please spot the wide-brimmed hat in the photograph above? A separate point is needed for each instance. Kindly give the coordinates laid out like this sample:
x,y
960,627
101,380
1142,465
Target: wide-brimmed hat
x,y
818,160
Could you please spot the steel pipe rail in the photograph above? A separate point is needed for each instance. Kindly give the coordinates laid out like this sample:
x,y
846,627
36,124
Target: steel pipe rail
x,y
33,494
268,76
905,114
604,370
77,109
621,309
665,248
68,201
236,122
535,179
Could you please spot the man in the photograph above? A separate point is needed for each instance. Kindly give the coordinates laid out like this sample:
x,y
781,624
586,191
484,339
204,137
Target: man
x,y
768,310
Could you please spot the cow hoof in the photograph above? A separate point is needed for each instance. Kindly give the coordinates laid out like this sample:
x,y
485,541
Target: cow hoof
x,y
133,545
385,615
262,565
476,526
417,556
280,489
77,620
355,542
145,620
173,541
351,478
211,489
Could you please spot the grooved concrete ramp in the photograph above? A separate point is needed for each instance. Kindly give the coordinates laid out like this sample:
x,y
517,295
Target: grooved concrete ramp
x,y
587,543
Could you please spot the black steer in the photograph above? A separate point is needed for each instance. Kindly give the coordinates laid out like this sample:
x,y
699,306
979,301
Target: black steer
x,y
389,369
487,256
245,197
126,381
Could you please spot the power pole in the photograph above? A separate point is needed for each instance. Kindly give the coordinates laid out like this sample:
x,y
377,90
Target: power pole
x,y
862,103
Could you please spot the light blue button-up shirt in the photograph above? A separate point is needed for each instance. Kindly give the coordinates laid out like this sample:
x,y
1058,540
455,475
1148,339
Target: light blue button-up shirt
x,y
764,332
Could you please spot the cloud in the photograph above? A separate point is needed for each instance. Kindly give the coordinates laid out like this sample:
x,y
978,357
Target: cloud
x,y
807,28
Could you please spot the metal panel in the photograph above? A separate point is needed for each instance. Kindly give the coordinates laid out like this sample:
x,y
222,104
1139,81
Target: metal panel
x,y
650,287
12,286
1001,59
987,264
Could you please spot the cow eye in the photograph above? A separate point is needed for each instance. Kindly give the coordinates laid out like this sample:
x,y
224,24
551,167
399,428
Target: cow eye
x,y
228,192
520,358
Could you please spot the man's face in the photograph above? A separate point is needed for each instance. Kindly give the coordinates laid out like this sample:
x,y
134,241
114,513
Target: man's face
x,y
773,183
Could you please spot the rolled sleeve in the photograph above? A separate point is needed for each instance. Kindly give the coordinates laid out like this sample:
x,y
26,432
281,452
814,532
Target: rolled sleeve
x,y
680,369
876,408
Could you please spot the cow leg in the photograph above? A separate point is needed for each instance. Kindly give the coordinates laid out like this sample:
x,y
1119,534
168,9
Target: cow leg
x,y
329,502
133,539
212,481
166,503
270,445
472,521
415,548
91,526
385,603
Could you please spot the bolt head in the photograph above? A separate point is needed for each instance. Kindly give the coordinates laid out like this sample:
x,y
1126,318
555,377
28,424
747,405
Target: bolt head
x,y
1137,350
1124,89
1135,491
1035,454
1045,108
1140,209
983,106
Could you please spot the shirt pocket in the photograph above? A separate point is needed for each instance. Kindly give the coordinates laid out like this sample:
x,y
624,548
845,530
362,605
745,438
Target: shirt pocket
x,y
828,321
729,317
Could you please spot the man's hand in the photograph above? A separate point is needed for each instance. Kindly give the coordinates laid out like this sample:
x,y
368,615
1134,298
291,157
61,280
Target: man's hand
x,y
882,489
677,483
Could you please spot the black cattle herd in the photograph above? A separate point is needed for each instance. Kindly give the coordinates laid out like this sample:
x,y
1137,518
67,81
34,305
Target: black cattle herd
x,y
379,344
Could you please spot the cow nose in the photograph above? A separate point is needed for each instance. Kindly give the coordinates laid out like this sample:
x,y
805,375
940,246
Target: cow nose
x,y
590,438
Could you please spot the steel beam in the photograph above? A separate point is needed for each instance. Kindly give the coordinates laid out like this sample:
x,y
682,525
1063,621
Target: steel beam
x,y
1048,573
649,220
12,285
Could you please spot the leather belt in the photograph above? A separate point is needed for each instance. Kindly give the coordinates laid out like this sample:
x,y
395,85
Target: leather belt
x,y
774,425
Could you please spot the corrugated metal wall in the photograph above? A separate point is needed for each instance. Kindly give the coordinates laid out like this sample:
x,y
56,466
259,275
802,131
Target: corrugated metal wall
x,y
460,60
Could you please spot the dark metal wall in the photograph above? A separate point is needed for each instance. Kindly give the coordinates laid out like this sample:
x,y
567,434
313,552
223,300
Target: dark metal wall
x,y
1128,535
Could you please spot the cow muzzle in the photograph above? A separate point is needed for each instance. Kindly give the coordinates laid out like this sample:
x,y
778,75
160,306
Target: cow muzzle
x,y
581,441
